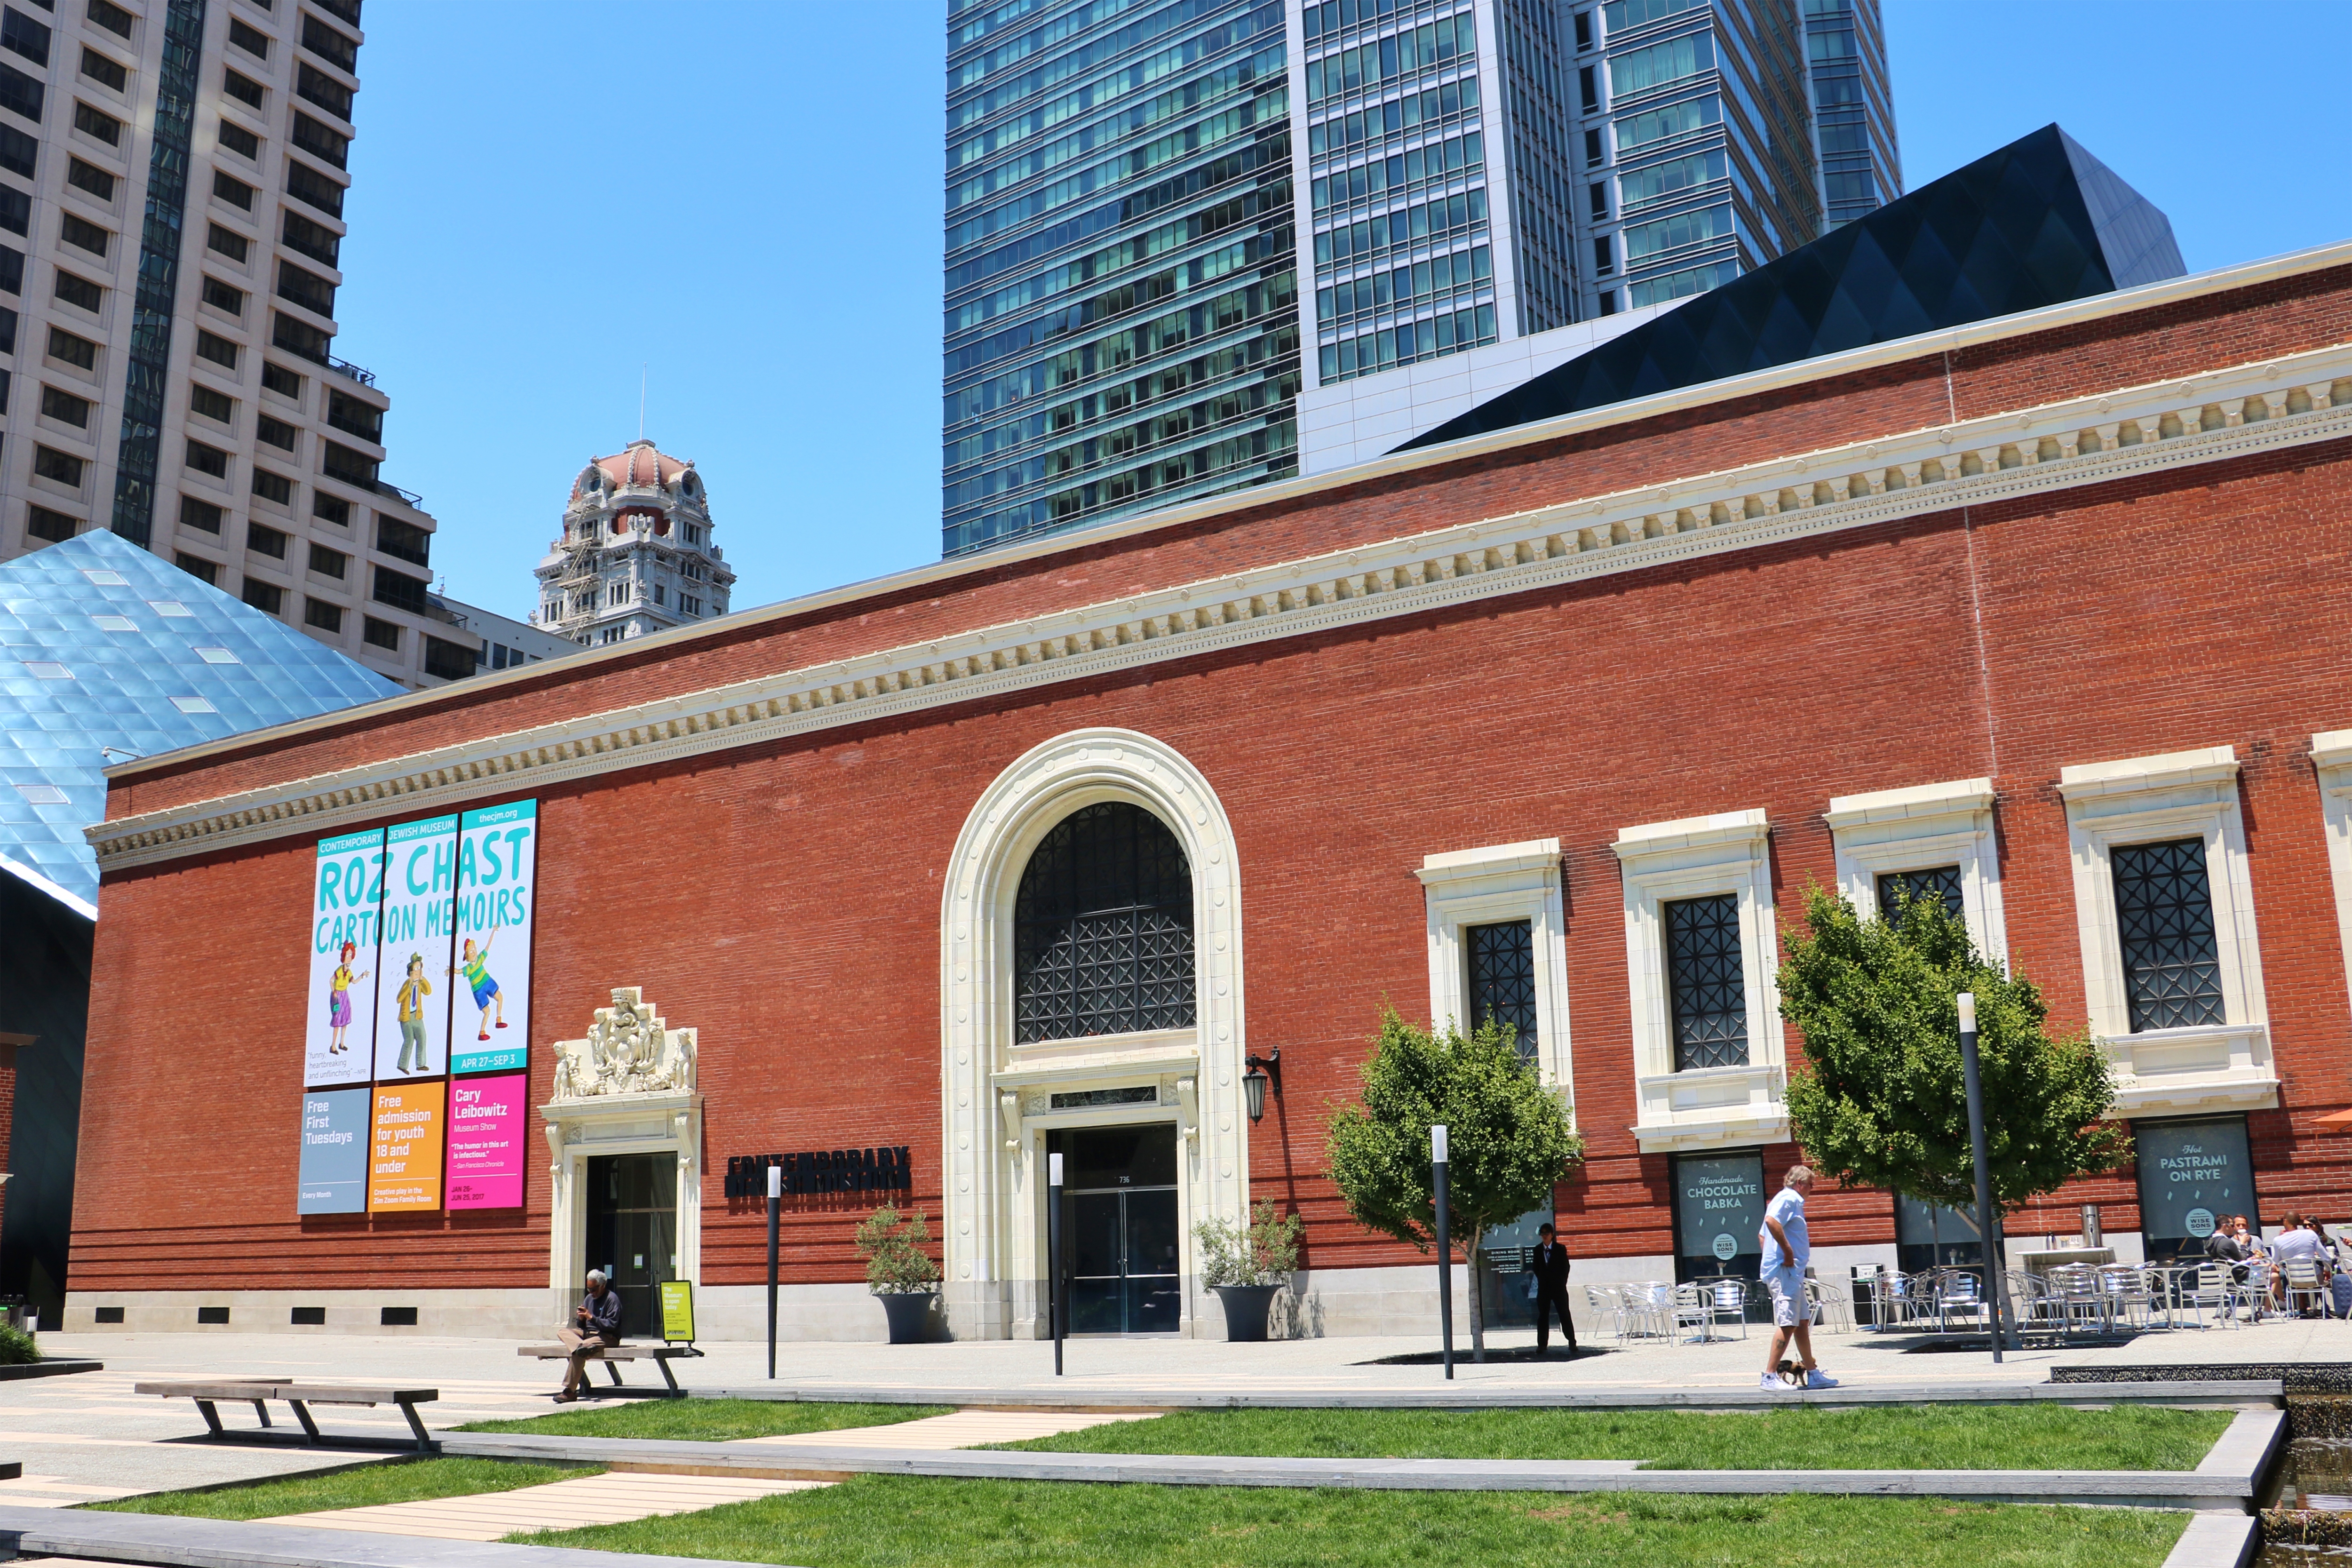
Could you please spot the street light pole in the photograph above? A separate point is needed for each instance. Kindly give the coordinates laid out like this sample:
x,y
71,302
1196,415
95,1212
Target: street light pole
x,y
775,1216
1445,1250
1054,1254
1987,1234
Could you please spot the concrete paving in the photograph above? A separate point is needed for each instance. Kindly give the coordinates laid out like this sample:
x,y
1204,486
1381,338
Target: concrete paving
x,y
612,1498
173,1542
91,1429
964,1429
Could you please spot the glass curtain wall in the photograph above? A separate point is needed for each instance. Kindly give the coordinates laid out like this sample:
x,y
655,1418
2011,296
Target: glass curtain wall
x,y
1853,109
1121,293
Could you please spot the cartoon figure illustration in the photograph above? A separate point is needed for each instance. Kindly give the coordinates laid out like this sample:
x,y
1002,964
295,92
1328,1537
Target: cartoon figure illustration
x,y
486,990
413,993
339,996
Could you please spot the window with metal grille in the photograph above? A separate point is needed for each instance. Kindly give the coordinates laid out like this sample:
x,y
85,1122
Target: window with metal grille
x,y
1103,929
2164,914
1938,882
1709,988
1501,960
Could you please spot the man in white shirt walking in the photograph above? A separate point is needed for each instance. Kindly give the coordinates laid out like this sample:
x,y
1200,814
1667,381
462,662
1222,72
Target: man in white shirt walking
x,y
1787,1251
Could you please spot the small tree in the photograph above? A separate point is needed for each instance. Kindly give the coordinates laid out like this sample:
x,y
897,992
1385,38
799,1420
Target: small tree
x,y
1264,1252
1508,1141
1884,1103
892,1245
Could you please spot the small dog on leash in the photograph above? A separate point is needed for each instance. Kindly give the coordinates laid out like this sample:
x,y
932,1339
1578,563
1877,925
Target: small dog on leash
x,y
1790,1373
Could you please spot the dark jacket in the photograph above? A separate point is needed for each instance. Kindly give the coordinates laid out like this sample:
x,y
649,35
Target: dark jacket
x,y
605,1316
2221,1248
1551,1272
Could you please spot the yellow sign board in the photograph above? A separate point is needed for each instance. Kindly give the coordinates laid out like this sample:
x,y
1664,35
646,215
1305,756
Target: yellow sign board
x,y
678,1310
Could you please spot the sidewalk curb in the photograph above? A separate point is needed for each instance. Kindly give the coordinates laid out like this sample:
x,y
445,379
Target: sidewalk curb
x,y
171,1541
2216,1541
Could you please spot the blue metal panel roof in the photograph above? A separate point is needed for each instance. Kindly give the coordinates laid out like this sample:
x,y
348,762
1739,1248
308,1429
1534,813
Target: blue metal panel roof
x,y
107,653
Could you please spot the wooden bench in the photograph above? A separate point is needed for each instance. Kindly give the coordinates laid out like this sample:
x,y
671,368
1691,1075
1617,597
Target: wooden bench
x,y
660,1355
258,1391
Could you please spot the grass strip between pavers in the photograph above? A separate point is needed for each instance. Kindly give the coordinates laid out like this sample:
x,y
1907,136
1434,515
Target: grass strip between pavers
x,y
1799,1438
908,1521
710,1420
362,1486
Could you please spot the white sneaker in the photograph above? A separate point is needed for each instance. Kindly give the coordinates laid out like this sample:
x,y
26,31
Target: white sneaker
x,y
1816,1378
1770,1383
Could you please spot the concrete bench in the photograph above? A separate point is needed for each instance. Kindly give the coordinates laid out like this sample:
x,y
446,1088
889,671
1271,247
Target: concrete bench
x,y
660,1355
258,1391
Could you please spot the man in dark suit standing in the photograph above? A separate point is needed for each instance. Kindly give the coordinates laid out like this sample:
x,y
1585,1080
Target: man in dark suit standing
x,y
1548,1264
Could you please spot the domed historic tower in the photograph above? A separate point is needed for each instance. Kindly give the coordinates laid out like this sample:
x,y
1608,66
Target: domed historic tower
x,y
635,556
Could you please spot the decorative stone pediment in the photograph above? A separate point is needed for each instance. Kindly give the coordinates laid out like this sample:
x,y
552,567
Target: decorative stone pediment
x,y
629,1050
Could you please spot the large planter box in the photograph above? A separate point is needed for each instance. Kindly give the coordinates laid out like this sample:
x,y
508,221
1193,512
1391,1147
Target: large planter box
x,y
910,1312
1246,1309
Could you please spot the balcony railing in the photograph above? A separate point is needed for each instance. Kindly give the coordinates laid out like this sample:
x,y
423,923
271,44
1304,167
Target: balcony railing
x,y
411,496
346,368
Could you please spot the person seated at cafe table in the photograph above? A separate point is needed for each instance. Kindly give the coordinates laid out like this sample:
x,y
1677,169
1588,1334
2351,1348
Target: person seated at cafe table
x,y
2295,1244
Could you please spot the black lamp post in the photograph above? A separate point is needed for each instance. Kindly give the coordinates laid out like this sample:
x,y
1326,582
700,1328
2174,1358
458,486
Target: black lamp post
x,y
1055,1305
1445,1246
1987,1227
775,1211
1263,1070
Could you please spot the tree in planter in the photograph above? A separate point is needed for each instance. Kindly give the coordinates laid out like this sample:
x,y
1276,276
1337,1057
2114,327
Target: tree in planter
x,y
1264,1252
1883,1103
1509,1140
892,1245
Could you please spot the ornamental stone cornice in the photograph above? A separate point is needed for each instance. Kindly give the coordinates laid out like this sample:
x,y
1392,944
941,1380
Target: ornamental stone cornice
x,y
2241,411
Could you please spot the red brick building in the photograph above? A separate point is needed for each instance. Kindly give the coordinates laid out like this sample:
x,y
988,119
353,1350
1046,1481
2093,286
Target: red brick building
x,y
2049,610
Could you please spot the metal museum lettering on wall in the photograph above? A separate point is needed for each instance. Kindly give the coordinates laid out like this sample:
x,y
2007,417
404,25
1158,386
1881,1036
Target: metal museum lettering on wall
x,y
877,1170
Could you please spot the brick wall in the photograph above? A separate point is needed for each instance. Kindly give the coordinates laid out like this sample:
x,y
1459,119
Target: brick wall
x,y
784,898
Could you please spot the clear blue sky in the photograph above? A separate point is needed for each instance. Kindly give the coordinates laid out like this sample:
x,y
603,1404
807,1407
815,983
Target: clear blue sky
x,y
744,199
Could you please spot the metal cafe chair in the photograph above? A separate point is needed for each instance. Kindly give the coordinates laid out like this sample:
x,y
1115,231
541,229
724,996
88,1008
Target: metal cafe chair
x,y
2030,1295
2301,1278
1607,1307
1728,1299
2080,1298
2130,1300
2254,1290
1644,1307
2208,1285
1829,1306
1692,1308
1959,1292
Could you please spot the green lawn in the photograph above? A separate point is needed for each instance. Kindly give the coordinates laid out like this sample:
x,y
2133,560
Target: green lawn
x,y
1799,1438
903,1521
710,1420
363,1485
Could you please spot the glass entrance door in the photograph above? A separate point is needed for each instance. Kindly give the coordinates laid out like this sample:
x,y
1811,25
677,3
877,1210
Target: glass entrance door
x,y
633,1232
1119,1231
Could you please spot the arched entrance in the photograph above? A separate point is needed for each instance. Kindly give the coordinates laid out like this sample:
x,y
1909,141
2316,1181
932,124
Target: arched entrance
x,y
1091,1001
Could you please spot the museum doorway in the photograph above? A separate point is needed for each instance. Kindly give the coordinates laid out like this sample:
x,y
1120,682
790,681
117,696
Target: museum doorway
x,y
1121,1237
632,1215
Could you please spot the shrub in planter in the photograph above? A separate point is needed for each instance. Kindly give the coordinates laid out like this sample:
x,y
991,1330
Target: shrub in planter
x,y
1247,1266
16,1347
898,1270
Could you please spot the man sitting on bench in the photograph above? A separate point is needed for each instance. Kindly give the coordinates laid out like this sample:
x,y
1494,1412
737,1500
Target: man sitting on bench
x,y
598,1324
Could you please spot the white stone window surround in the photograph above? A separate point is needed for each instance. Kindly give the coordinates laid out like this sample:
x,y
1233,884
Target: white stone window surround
x,y
2145,800
1705,1108
1492,886
994,1151
2331,759
1917,829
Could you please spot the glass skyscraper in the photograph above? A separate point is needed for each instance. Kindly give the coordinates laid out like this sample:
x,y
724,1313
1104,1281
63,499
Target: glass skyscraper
x,y
1122,319
1127,322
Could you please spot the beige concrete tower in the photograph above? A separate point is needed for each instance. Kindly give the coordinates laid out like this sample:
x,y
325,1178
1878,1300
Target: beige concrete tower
x,y
171,187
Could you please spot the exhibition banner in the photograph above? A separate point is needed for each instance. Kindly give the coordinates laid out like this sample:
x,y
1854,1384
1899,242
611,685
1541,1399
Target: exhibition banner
x,y
406,1134
333,1173
414,963
346,890
498,861
487,1142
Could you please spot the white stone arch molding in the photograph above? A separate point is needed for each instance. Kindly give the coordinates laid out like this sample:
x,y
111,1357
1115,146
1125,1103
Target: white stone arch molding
x,y
990,1207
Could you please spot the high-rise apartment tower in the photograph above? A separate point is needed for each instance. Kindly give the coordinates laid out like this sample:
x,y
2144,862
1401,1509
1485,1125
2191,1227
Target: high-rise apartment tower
x,y
1122,325
1480,189
172,175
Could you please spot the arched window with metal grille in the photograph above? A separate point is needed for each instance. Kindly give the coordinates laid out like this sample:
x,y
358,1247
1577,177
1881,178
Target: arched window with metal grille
x,y
1103,929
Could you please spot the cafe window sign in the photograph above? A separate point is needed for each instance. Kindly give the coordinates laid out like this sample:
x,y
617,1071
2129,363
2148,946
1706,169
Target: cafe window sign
x,y
2190,1174
1719,1211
